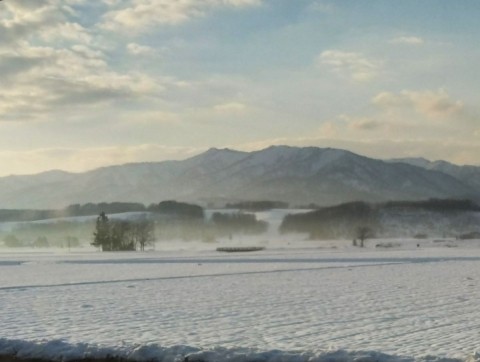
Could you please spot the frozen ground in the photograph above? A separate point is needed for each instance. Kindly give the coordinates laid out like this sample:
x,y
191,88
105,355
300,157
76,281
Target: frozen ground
x,y
297,303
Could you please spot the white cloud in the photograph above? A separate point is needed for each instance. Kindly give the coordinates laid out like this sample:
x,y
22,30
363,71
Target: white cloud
x,y
43,79
432,104
48,19
139,15
362,123
354,65
69,31
407,40
328,130
137,49
230,108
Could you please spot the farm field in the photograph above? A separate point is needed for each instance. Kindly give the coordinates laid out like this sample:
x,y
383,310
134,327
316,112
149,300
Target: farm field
x,y
307,300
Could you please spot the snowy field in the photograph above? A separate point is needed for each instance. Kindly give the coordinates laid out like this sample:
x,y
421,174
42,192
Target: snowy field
x,y
304,303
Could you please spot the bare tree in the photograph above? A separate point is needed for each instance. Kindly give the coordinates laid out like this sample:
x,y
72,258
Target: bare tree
x,y
362,233
144,233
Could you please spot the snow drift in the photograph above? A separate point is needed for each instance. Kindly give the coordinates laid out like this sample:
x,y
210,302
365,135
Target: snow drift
x,y
58,350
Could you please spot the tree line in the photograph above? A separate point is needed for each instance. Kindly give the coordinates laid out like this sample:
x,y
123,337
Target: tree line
x,y
171,220
362,220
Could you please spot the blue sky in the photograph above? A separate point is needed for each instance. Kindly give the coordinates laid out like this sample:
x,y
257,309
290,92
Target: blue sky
x,y
88,84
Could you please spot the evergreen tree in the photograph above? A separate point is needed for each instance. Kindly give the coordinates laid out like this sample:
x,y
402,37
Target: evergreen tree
x,y
101,236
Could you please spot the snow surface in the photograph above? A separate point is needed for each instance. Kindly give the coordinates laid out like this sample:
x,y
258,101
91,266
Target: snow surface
x,y
304,303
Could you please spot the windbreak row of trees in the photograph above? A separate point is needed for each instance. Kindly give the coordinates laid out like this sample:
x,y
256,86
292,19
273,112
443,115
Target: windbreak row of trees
x,y
171,220
8,215
89,209
177,221
361,220
208,230
165,221
238,222
337,222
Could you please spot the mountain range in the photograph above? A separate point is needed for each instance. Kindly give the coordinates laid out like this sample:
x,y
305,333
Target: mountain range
x,y
299,176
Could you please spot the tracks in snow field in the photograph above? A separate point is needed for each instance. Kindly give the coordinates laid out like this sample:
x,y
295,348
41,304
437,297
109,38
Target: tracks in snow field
x,y
396,304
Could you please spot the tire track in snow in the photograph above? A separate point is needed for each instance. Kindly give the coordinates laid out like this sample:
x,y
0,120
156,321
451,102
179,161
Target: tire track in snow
x,y
136,280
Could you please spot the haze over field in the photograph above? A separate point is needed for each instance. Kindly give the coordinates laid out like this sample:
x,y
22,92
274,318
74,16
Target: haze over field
x,y
95,83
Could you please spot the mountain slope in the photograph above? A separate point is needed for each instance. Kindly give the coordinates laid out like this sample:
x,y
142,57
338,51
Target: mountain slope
x,y
470,175
295,175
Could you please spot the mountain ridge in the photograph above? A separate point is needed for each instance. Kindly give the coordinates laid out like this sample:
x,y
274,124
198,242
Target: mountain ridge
x,y
296,175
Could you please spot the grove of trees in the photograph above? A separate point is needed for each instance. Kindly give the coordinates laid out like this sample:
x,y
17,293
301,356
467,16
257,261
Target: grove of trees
x,y
336,222
238,223
122,235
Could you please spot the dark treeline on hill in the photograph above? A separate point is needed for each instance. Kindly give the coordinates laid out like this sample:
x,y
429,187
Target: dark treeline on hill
x,y
176,209
26,215
165,221
172,220
178,221
454,218
95,209
257,205
238,222
218,225
434,205
332,222
172,208
70,211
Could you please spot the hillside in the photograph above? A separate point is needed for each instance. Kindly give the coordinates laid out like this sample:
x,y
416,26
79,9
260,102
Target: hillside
x,y
412,219
297,176
467,174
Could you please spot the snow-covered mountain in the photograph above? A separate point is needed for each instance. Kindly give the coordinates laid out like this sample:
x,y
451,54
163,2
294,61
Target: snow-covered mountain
x,y
295,175
467,174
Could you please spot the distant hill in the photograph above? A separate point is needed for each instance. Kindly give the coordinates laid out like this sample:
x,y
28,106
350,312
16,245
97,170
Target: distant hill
x,y
297,176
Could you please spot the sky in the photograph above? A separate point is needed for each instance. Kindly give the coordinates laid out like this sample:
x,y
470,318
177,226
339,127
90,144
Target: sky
x,y
86,84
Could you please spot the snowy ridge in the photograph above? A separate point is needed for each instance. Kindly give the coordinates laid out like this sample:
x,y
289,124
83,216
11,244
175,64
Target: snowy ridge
x,y
58,350
295,175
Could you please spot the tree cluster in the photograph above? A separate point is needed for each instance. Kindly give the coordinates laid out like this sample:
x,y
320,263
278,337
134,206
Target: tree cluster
x,y
342,221
122,235
107,207
238,223
438,205
172,208
178,210
219,225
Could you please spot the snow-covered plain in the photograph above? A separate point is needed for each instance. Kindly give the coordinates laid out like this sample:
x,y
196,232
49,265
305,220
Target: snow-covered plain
x,y
307,302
